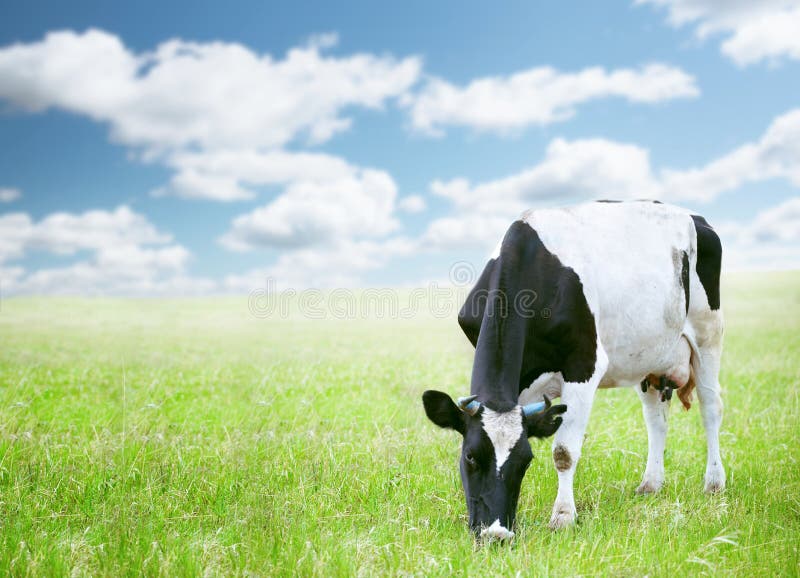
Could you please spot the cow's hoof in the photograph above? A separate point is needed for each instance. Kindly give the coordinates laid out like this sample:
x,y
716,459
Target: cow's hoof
x,y
563,517
649,487
715,480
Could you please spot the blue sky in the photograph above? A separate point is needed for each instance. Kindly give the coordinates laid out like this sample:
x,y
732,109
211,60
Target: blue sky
x,y
201,148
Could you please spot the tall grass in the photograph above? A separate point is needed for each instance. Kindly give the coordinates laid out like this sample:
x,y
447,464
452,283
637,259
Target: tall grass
x,y
185,437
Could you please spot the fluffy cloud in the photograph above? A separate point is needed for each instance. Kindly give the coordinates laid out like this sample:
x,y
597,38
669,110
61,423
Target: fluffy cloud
x,y
579,170
781,223
66,233
312,213
128,254
211,95
754,31
570,170
337,265
540,96
332,221
92,278
775,155
230,175
770,241
412,204
200,184
221,117
8,195
465,231
15,230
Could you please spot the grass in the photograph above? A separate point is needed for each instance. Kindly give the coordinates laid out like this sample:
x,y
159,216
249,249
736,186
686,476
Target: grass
x,y
186,437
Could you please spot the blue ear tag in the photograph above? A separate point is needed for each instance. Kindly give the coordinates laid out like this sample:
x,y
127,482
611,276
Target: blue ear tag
x,y
532,408
471,408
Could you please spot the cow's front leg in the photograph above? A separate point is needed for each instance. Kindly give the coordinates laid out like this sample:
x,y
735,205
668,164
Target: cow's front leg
x,y
656,411
578,398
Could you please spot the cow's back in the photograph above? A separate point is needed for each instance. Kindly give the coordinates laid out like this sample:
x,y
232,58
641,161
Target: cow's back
x,y
634,260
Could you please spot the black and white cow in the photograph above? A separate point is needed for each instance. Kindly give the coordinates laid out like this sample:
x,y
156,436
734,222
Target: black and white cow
x,y
598,295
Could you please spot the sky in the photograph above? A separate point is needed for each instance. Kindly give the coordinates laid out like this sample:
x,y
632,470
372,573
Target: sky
x,y
190,148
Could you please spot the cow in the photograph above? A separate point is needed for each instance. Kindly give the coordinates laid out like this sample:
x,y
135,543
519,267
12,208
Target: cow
x,y
598,295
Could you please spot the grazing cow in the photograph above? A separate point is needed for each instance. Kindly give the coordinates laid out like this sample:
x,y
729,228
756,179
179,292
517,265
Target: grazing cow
x,y
598,295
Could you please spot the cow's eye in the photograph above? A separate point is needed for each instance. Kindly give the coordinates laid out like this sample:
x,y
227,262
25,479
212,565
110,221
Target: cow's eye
x,y
470,460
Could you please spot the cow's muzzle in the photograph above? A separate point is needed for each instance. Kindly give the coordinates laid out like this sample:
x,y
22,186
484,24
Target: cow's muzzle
x,y
497,532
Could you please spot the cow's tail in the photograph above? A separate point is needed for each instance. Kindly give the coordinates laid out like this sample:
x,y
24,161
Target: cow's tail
x,y
685,392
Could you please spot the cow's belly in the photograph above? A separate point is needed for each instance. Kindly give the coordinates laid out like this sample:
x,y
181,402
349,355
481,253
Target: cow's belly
x,y
642,333
630,361
641,319
627,368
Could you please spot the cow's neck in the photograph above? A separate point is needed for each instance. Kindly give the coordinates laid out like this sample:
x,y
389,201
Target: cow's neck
x,y
500,348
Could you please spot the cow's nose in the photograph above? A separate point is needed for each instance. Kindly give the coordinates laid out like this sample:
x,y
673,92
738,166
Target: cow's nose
x,y
497,532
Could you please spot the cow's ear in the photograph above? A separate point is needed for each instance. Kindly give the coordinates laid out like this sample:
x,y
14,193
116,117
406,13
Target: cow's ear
x,y
442,411
544,423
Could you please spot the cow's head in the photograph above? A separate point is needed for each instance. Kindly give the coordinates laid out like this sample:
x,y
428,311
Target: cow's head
x,y
495,454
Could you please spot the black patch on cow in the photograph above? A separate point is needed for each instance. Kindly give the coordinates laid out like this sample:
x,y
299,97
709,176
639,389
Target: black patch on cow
x,y
527,315
685,277
607,201
709,259
471,314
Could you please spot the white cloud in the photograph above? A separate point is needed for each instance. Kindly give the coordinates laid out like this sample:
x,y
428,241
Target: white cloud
x,y
464,232
128,255
412,204
570,171
263,168
775,155
9,277
89,278
66,233
780,223
331,219
15,230
579,170
194,184
220,116
540,96
753,30
8,194
311,213
229,175
337,265
212,95
770,241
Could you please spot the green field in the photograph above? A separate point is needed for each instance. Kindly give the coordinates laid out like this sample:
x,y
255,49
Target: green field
x,y
186,437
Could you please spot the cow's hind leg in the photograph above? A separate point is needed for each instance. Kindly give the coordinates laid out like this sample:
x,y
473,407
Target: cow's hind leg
x,y
706,373
578,398
656,410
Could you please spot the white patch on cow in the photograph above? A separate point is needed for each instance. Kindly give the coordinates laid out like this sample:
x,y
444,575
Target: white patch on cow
x,y
548,384
504,430
635,295
497,531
